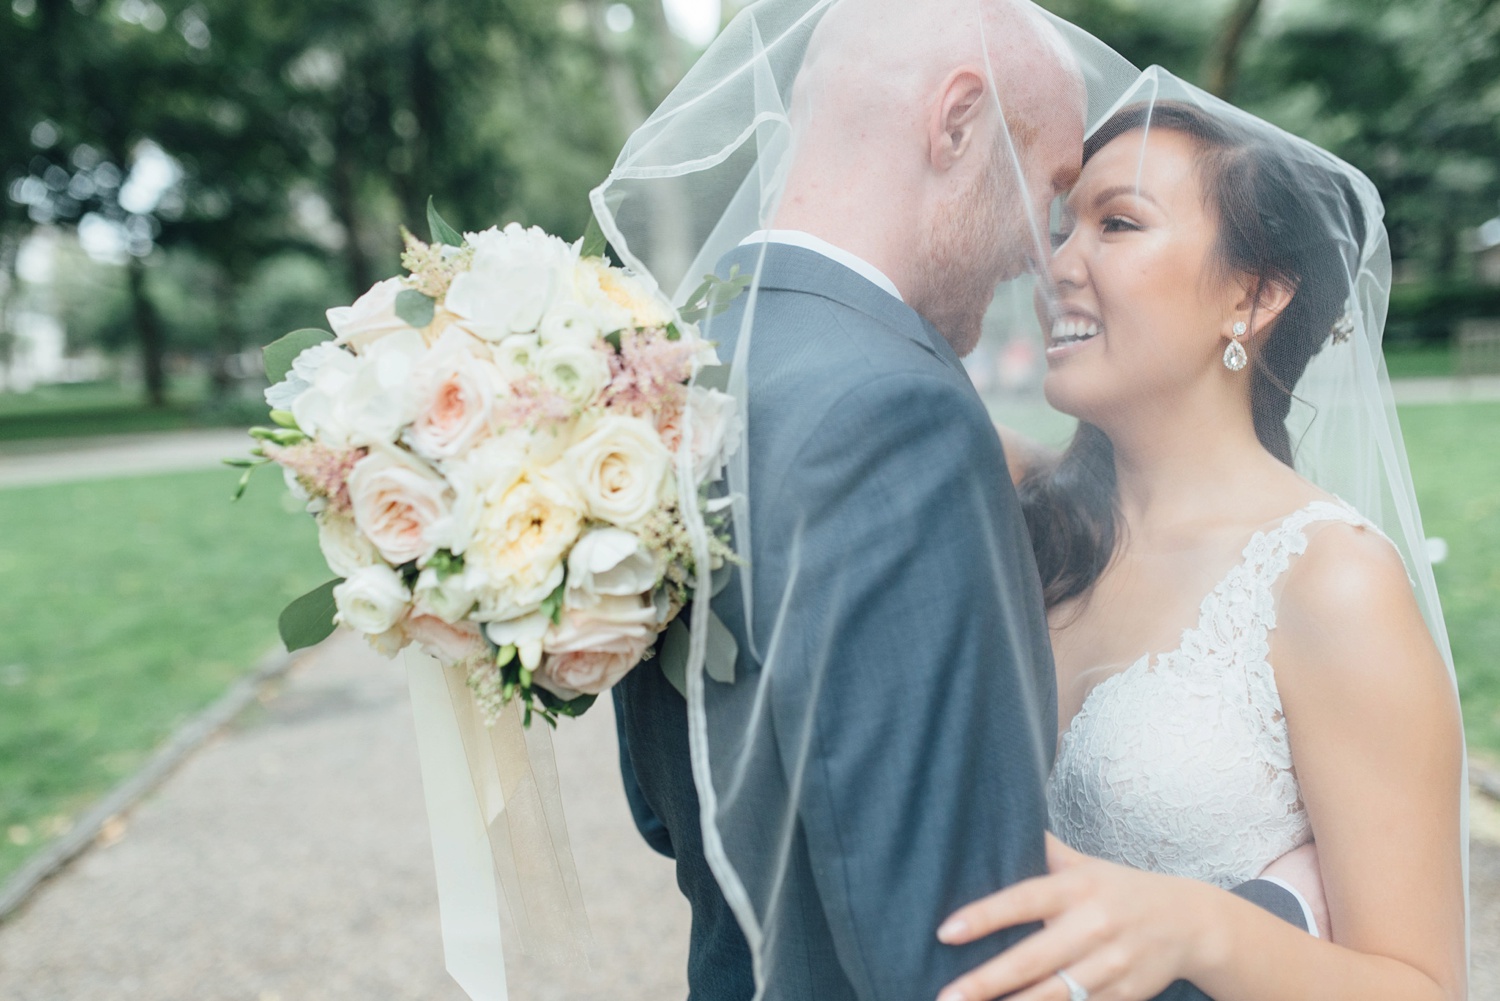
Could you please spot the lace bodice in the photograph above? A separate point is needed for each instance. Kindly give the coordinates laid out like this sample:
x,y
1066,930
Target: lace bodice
x,y
1180,763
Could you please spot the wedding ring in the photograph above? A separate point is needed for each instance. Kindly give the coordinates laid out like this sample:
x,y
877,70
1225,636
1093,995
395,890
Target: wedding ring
x,y
1076,991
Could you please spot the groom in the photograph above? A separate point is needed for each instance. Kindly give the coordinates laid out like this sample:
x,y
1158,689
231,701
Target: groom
x,y
886,736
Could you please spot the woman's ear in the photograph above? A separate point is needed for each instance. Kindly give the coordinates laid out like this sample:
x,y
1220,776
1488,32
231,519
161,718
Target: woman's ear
x,y
956,117
1263,303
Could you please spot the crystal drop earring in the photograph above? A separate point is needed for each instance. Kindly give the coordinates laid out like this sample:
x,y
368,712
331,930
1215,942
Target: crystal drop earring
x,y
1235,358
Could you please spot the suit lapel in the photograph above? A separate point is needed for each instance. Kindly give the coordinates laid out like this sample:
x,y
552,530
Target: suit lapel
x,y
796,269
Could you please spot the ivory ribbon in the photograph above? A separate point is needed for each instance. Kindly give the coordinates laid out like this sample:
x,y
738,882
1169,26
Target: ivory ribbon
x,y
498,832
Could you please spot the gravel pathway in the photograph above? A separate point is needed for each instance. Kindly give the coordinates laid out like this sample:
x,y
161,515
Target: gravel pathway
x,y
289,860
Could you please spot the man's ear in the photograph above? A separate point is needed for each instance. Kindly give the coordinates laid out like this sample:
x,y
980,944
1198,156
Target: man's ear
x,y
956,116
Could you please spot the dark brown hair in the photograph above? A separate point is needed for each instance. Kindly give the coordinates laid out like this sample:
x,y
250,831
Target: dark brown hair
x,y
1287,217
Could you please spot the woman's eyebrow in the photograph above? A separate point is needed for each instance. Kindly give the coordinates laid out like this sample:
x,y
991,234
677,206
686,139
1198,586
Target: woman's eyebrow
x,y
1124,189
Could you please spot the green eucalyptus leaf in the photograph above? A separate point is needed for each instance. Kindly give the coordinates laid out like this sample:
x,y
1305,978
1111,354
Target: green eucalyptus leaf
x,y
415,308
594,242
674,655
280,354
441,231
309,620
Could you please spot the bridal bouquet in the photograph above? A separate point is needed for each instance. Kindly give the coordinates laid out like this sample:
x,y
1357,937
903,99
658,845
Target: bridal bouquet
x,y
493,446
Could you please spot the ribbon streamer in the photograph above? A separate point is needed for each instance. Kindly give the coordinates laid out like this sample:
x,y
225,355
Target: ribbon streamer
x,y
494,806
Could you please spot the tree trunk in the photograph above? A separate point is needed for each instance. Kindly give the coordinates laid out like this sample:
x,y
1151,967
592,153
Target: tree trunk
x,y
226,339
148,334
346,210
1221,69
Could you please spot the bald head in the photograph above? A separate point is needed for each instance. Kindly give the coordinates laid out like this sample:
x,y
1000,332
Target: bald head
x,y
913,118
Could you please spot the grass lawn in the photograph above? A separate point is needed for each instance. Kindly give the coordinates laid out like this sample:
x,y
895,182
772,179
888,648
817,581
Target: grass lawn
x,y
100,408
1455,460
127,606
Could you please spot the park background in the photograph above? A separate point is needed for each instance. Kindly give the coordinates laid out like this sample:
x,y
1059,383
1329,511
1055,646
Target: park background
x,y
183,182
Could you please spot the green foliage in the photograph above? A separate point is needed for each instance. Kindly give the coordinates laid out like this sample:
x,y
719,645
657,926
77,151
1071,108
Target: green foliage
x,y
438,226
309,620
415,308
130,604
714,295
280,354
1428,312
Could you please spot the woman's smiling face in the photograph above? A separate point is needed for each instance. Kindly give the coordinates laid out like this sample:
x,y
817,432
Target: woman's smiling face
x,y
1140,302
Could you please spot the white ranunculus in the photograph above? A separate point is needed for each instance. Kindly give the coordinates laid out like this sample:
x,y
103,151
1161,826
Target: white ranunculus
x,y
344,546
591,649
382,399
455,391
608,562
520,542
449,598
570,321
402,505
576,372
621,469
515,356
372,600
372,316
515,276
525,633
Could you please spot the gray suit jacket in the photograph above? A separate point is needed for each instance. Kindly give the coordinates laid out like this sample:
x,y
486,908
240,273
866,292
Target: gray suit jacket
x,y
896,771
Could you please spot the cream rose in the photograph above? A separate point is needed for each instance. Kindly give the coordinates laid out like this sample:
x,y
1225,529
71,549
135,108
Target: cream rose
x,y
372,316
637,300
456,390
522,537
621,469
590,650
372,600
344,546
608,561
402,505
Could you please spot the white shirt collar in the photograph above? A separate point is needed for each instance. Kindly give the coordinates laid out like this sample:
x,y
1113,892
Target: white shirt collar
x,y
797,238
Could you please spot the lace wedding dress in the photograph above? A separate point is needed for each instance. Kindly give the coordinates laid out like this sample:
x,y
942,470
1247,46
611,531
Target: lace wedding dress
x,y
1180,763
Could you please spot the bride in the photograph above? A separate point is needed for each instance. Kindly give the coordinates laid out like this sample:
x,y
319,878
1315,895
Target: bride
x,y
1242,667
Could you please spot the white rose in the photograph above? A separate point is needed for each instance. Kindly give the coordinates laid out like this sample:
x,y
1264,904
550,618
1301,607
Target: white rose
x,y
319,409
621,469
299,379
449,598
525,633
402,506
715,422
515,276
455,391
372,600
608,562
372,316
576,372
590,650
381,399
521,539
344,546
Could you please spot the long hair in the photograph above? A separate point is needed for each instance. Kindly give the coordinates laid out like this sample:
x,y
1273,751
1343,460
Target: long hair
x,y
1292,222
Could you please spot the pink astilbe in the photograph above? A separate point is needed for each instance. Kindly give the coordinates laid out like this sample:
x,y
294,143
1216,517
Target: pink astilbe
x,y
322,471
528,404
648,372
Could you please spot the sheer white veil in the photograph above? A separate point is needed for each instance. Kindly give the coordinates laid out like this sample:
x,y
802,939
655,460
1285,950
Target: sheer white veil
x,y
708,171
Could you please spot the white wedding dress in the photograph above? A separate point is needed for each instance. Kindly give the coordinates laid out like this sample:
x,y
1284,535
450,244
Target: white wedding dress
x,y
1180,763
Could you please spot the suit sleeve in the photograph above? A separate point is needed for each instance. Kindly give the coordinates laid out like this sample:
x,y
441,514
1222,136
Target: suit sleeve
x,y
912,702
